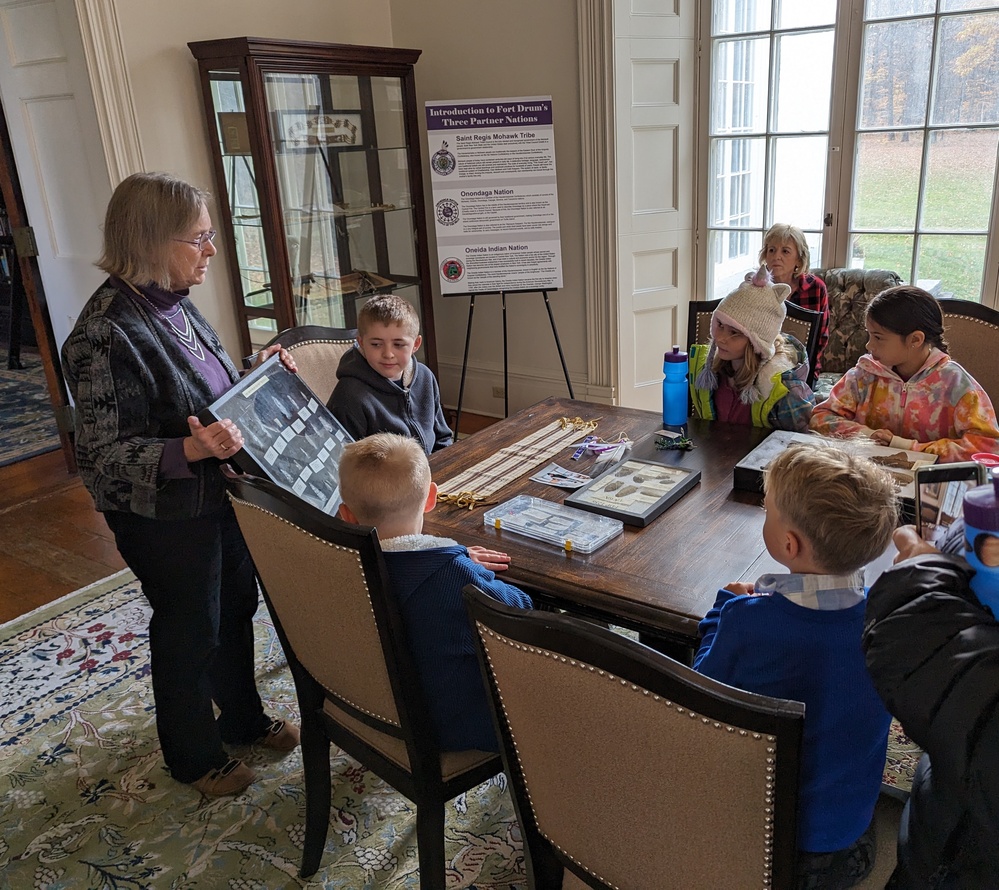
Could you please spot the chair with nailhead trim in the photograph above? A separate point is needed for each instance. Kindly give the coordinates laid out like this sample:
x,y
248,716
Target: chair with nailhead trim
x,y
327,590
629,769
317,351
972,334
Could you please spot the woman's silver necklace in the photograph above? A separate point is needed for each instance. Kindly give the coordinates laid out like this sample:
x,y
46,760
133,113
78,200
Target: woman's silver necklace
x,y
186,334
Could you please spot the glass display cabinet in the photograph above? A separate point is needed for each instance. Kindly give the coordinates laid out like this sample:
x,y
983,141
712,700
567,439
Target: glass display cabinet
x,y
318,180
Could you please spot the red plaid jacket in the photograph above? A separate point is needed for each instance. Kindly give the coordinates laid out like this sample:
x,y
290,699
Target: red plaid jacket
x,y
812,294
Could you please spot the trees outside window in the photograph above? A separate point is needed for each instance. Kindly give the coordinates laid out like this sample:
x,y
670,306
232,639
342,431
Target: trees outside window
x,y
874,126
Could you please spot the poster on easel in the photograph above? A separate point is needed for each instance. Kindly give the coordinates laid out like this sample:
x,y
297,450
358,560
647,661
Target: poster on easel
x,y
495,200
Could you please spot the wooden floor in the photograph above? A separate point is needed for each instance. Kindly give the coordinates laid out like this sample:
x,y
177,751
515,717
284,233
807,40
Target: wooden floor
x,y
52,541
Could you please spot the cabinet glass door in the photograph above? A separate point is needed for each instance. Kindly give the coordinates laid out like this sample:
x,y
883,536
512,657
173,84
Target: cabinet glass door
x,y
243,201
342,166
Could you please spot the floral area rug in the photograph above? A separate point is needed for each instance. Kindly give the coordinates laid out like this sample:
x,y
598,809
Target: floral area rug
x,y
27,422
86,801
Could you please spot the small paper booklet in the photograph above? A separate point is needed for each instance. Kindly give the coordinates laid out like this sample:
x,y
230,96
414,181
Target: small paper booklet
x,y
560,477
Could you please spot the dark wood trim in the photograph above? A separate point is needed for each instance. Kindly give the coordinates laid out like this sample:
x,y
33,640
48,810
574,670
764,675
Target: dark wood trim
x,y
31,279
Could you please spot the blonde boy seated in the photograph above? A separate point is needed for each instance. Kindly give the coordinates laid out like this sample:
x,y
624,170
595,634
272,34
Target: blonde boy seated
x,y
385,482
797,636
381,387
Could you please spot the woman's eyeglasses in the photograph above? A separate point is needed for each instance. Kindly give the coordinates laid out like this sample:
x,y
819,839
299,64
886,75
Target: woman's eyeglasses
x,y
202,239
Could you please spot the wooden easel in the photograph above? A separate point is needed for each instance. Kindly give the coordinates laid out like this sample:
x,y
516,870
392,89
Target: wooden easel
x,y
468,337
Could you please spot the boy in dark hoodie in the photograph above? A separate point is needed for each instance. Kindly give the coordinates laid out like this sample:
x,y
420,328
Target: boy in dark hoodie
x,y
381,387
385,482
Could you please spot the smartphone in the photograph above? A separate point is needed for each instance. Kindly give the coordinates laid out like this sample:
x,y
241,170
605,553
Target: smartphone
x,y
940,490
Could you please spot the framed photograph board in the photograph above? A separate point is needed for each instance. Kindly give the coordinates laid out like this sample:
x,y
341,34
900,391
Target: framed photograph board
x,y
635,491
289,436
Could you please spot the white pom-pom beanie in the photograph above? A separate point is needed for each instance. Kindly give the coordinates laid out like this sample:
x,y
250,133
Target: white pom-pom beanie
x,y
755,307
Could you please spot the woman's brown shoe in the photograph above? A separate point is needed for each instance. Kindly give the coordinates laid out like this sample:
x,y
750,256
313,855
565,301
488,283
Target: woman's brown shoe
x,y
232,778
281,736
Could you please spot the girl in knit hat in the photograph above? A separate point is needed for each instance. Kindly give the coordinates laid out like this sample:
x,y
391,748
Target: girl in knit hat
x,y
751,373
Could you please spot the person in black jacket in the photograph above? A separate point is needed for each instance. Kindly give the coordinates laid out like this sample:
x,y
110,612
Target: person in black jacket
x,y
141,362
933,653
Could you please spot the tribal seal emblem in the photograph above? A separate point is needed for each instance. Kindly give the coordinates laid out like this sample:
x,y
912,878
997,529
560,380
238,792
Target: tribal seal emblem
x,y
452,269
443,162
447,212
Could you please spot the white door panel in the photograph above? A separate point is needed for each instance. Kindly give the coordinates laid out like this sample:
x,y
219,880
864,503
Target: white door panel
x,y
56,143
655,57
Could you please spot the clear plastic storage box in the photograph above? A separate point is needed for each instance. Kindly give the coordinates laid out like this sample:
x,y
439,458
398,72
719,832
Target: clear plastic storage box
x,y
573,530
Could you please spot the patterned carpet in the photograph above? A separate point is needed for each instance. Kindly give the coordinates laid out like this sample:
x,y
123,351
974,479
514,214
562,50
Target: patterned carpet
x,y
86,802
27,424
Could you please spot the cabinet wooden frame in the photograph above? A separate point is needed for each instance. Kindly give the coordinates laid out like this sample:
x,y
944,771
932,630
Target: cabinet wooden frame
x,y
249,61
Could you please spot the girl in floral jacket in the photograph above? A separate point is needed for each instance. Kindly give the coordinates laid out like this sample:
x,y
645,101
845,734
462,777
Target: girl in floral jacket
x,y
907,392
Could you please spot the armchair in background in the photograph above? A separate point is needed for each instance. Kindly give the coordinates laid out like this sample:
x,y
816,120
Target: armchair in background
x,y
850,290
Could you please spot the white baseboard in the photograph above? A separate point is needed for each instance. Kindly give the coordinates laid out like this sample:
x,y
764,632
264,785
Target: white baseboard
x,y
526,388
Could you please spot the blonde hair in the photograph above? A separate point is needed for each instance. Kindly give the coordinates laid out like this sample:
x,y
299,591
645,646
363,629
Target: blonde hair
x,y
778,233
388,309
384,476
145,213
842,502
752,361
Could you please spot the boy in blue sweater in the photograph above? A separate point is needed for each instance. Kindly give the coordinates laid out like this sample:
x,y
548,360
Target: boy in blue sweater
x,y
797,636
385,482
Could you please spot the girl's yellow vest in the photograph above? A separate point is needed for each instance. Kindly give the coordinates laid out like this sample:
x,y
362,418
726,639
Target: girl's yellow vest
x,y
704,404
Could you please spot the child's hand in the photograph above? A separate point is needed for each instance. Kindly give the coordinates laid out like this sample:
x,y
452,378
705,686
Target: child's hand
x,y
740,587
909,544
493,560
882,437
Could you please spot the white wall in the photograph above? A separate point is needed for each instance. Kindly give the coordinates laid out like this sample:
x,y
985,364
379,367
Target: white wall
x,y
479,50
167,95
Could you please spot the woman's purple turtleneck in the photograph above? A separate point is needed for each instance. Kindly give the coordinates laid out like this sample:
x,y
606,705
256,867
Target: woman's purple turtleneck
x,y
173,463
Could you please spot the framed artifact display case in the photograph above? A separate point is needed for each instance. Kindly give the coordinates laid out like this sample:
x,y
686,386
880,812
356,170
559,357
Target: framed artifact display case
x,y
318,181
635,491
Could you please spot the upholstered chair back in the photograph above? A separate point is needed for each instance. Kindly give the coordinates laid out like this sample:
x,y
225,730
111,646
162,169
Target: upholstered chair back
x,y
972,333
319,591
850,290
632,766
317,352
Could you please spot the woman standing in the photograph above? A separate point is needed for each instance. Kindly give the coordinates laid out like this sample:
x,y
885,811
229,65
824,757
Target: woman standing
x,y
785,252
141,362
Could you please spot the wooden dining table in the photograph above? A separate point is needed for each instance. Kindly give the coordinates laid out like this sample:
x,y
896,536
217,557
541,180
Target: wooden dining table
x,y
660,579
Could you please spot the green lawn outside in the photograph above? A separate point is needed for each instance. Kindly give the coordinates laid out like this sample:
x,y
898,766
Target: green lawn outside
x,y
958,196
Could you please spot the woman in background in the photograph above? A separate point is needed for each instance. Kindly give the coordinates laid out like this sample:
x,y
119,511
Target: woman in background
x,y
785,253
141,362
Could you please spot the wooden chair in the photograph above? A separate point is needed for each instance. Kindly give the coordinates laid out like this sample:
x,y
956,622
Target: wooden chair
x,y
972,332
802,324
317,352
326,587
630,770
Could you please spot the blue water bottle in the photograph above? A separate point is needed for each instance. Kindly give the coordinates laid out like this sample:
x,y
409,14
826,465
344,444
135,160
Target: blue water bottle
x,y
981,541
675,395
